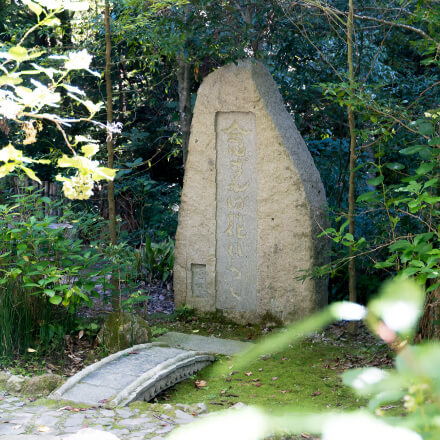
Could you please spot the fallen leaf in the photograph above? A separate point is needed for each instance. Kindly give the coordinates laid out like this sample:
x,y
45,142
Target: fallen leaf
x,y
222,391
31,350
196,331
233,372
249,373
284,359
232,395
200,383
5,421
43,428
260,369
274,378
80,334
216,403
257,384
305,435
103,401
228,379
317,393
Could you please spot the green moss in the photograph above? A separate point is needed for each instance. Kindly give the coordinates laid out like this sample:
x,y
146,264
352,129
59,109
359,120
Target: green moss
x,y
122,330
41,385
3,379
297,376
50,403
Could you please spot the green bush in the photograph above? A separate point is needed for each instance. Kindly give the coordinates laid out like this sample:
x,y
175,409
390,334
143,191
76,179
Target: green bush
x,y
45,274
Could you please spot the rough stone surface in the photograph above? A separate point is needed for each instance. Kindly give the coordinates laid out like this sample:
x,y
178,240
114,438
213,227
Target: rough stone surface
x,y
137,373
15,384
22,420
252,204
41,385
122,330
209,344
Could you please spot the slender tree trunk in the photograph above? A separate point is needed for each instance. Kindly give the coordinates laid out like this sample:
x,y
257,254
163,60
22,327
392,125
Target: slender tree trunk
x,y
184,86
110,149
351,188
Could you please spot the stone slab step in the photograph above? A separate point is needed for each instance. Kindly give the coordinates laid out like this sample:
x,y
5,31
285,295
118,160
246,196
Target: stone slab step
x,y
137,373
208,344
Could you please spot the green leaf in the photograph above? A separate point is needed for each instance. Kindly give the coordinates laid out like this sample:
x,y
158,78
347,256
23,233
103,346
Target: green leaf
x,y
395,166
55,299
367,197
383,264
425,167
425,128
18,53
424,151
430,183
376,180
49,292
400,245
34,7
52,22
30,173
10,80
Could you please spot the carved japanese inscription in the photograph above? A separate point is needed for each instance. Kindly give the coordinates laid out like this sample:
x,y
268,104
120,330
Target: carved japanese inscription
x,y
198,280
236,253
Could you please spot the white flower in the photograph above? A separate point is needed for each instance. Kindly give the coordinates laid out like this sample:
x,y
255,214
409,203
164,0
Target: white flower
x,y
369,376
364,427
348,311
9,109
400,315
78,187
78,60
38,97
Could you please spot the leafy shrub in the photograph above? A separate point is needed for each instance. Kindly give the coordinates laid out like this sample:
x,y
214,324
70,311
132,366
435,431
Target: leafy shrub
x,y
41,268
159,258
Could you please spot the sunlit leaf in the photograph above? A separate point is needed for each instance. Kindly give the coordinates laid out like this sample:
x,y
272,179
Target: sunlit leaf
x,y
18,53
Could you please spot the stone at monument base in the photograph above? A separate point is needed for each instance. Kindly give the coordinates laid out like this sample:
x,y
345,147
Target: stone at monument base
x,y
252,204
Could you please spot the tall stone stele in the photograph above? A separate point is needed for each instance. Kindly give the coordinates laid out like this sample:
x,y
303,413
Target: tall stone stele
x,y
252,204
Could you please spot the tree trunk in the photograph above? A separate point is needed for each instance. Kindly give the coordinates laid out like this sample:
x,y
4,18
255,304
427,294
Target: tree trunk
x,y
351,188
110,149
184,86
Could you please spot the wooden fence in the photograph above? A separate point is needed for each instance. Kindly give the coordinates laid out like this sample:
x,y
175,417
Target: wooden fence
x,y
51,190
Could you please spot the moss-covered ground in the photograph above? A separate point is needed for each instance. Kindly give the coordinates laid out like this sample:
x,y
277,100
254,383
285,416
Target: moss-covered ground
x,y
297,376
306,374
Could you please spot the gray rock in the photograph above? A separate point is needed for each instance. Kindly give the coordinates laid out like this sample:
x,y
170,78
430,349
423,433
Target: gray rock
x,y
4,377
15,385
42,385
132,422
183,417
74,420
252,204
209,344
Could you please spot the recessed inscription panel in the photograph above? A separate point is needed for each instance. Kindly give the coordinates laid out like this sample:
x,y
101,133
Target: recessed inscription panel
x,y
236,269
198,280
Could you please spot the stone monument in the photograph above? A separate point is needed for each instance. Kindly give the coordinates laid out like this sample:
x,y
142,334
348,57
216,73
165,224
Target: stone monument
x,y
252,204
